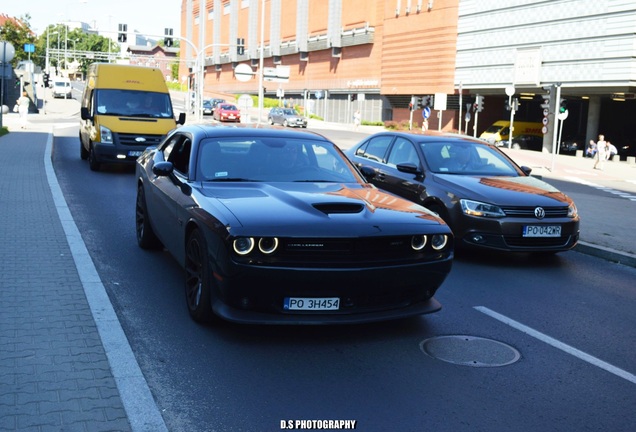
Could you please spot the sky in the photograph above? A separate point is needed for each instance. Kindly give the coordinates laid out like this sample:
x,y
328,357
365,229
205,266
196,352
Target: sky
x,y
149,17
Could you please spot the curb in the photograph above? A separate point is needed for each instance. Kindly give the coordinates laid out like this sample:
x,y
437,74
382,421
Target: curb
x,y
608,254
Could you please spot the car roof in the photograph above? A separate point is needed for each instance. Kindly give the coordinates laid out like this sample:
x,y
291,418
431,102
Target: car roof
x,y
430,136
205,130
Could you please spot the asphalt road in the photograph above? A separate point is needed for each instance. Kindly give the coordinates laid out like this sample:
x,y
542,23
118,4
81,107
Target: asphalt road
x,y
570,317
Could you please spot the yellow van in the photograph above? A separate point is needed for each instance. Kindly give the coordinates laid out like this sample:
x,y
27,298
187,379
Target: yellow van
x,y
499,132
124,109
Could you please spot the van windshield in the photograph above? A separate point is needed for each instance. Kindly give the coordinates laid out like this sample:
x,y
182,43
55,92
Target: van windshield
x,y
133,103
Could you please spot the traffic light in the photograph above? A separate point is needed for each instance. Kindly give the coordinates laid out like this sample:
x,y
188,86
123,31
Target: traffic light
x,y
427,101
480,103
167,39
563,106
508,107
515,104
240,46
353,97
122,35
416,103
45,79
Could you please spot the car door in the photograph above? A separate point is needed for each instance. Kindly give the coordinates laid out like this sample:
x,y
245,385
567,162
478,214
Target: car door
x,y
167,195
408,185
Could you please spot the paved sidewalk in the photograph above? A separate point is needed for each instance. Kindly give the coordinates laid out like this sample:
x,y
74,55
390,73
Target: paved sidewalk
x,y
65,363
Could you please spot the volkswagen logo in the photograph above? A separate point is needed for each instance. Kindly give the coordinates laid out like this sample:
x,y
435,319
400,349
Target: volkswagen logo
x,y
142,139
539,213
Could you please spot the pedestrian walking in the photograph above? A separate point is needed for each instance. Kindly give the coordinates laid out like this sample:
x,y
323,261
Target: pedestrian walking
x,y
356,120
601,152
23,103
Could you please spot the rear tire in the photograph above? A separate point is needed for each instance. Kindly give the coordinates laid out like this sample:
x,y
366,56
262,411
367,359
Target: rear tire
x,y
199,282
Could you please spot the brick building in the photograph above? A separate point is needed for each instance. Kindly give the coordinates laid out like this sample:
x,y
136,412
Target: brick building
x,y
342,55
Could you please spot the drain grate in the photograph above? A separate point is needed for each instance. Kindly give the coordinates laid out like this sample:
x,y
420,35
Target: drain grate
x,y
470,351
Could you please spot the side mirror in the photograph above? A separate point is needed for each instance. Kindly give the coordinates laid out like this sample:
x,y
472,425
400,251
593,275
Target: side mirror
x,y
409,168
526,170
84,114
182,118
367,172
163,169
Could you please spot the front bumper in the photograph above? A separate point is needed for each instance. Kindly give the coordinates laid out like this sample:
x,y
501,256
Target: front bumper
x,y
255,294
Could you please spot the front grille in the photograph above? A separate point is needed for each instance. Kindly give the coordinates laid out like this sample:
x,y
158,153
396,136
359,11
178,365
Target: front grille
x,y
131,139
528,212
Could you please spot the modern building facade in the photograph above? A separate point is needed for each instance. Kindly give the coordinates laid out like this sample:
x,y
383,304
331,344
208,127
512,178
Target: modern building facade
x,y
373,55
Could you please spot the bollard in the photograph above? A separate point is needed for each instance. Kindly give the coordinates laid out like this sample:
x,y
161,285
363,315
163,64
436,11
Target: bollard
x,y
631,160
616,158
579,153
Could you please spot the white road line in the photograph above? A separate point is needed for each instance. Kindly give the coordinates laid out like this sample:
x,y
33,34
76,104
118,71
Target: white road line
x,y
559,345
621,194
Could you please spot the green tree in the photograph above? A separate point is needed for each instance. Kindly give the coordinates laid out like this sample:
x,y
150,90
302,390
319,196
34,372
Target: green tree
x,y
18,36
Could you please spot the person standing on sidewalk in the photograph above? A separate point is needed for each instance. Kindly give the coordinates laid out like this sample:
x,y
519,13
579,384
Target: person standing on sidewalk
x,y
356,120
601,152
23,109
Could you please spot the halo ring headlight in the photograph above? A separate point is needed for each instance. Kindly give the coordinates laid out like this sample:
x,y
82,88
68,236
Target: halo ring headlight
x,y
439,241
268,245
418,242
243,245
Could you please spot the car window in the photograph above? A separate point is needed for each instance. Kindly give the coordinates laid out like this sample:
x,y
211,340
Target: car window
x,y
464,157
376,148
402,151
178,151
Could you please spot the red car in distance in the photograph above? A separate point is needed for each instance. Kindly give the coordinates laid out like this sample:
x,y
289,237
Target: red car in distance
x,y
225,112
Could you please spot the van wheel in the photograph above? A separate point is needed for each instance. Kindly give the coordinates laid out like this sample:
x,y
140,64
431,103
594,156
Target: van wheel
x,y
83,151
93,163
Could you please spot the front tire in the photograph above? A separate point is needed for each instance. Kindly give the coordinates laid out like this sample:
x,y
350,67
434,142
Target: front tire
x,y
83,151
93,163
199,282
146,237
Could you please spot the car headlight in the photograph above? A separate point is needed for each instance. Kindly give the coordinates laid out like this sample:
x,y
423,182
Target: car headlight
x,y
439,241
243,245
476,208
268,245
572,211
106,135
418,242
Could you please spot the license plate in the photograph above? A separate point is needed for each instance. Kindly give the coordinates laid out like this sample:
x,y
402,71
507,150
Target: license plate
x,y
542,231
310,303
136,153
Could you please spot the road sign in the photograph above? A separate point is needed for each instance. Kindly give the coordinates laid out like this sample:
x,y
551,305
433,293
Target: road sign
x,y
544,130
243,72
245,101
562,116
426,112
545,120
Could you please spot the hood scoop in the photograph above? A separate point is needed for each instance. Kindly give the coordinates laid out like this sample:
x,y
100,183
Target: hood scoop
x,y
339,208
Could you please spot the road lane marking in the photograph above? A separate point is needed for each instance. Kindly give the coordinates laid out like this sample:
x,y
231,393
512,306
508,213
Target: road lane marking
x,y
559,345
621,194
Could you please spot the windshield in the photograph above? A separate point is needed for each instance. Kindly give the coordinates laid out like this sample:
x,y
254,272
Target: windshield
x,y
467,158
272,159
133,103
290,111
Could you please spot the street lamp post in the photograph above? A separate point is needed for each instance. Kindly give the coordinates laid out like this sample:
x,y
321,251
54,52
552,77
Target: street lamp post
x,y
510,91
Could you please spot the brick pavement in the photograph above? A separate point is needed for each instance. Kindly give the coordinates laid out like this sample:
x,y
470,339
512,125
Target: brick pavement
x,y
54,372
65,362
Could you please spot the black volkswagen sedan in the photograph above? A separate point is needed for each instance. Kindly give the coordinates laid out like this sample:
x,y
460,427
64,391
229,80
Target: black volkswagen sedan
x,y
277,226
485,197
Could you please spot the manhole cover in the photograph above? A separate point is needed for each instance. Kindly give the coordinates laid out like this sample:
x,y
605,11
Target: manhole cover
x,y
470,351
